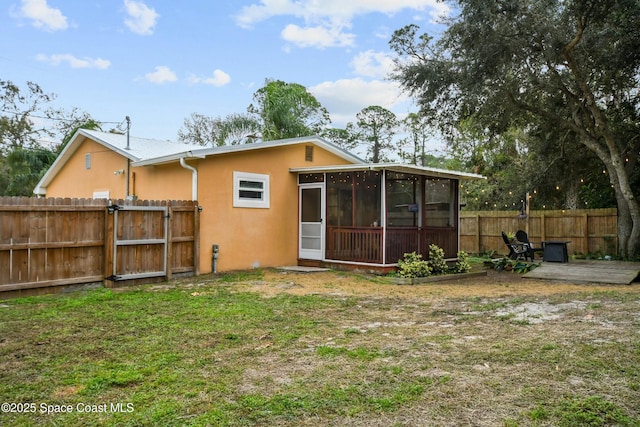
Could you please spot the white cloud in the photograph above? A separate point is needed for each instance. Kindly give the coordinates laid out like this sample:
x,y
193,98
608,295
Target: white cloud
x,y
373,64
325,21
162,74
345,98
43,16
74,62
320,37
251,14
334,10
141,18
219,78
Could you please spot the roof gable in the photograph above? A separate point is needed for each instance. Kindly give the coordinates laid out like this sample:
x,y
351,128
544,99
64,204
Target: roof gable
x,y
139,149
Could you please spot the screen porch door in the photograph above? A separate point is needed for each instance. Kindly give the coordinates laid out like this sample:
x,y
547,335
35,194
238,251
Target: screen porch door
x,y
311,227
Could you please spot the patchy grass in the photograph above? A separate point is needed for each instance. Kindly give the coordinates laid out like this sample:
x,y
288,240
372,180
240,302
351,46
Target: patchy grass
x,y
268,348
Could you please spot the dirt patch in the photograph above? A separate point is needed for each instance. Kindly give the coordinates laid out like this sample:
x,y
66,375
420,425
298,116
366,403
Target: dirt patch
x,y
495,284
538,312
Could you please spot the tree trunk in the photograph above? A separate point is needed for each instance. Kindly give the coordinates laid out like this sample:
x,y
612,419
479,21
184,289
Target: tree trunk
x,y
609,153
628,218
571,196
628,208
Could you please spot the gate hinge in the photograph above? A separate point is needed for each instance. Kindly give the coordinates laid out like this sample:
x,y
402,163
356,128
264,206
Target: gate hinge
x,y
112,208
113,278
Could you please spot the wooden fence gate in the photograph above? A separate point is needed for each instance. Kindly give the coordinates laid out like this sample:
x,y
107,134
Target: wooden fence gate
x,y
140,241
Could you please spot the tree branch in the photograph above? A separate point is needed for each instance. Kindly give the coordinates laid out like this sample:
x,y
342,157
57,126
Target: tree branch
x,y
576,39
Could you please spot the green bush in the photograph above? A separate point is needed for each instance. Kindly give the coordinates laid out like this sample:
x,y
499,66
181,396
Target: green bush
x,y
412,266
462,263
436,259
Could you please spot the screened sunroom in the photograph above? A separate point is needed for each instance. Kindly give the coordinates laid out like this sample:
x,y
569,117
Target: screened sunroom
x,y
375,213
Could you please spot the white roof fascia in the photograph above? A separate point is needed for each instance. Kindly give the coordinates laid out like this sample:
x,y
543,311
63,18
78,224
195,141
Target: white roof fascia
x,y
396,167
425,170
168,159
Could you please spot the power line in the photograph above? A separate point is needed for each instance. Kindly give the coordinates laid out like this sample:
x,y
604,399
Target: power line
x,y
57,119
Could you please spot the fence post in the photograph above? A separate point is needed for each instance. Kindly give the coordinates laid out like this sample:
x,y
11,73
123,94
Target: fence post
x,y
477,237
108,246
585,219
169,239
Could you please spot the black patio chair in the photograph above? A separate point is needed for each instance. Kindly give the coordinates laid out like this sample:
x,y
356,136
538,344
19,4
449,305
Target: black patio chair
x,y
522,237
516,250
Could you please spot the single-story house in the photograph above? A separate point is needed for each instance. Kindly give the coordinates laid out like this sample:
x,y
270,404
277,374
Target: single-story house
x,y
299,201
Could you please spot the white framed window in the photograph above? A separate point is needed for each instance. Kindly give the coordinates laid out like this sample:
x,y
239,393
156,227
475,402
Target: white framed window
x,y
250,190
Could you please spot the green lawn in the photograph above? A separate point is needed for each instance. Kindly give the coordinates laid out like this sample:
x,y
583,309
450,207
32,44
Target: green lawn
x,y
210,355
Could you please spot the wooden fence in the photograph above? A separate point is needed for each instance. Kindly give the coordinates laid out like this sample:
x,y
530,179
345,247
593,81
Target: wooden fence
x,y
588,230
49,244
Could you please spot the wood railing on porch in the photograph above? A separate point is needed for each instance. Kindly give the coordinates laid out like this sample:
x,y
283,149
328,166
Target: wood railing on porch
x,y
401,240
357,244
364,244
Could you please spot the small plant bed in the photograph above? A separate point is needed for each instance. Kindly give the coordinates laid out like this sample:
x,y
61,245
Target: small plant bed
x,y
514,266
413,270
439,278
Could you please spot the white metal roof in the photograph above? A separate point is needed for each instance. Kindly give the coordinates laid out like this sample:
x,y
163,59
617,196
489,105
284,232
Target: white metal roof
x,y
139,148
395,167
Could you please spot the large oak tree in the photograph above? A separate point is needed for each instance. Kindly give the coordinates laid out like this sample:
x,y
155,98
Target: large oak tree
x,y
543,65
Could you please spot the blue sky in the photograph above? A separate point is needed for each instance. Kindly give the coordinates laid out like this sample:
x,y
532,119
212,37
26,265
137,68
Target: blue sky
x,y
158,61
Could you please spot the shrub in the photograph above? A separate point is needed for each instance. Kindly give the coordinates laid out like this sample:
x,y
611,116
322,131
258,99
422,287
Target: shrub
x,y
412,266
436,259
462,263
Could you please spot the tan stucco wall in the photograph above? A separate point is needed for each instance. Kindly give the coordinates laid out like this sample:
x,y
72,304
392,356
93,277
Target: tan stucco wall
x,y
250,237
164,182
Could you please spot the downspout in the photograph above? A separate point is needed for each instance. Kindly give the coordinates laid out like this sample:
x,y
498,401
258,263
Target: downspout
x,y
194,178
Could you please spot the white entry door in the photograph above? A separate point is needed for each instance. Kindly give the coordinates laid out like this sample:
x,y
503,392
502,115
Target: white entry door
x,y
311,230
